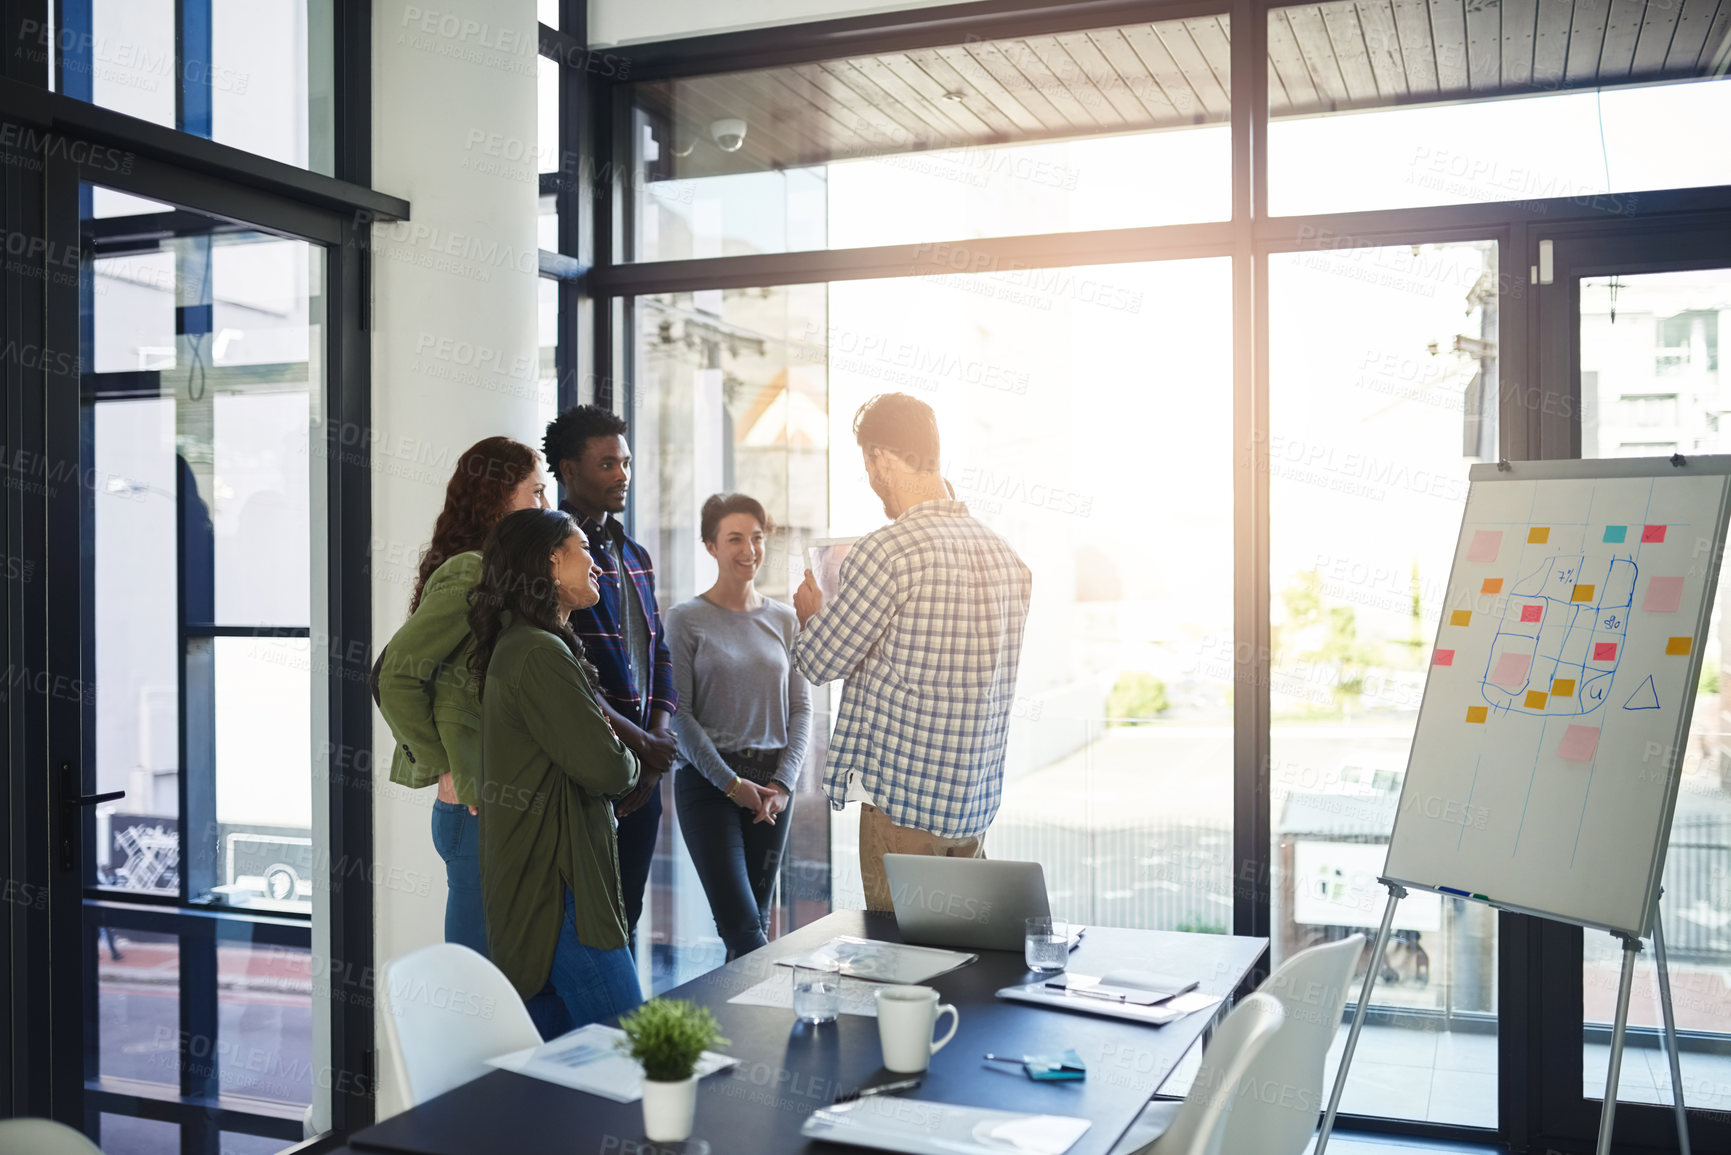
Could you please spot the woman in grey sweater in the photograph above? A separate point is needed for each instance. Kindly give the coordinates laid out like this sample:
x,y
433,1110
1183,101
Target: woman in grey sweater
x,y
743,722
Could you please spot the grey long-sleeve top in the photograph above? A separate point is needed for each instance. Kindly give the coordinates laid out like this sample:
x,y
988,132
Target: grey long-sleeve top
x,y
737,687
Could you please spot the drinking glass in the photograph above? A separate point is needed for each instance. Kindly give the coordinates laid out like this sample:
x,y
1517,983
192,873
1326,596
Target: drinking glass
x,y
817,992
1047,945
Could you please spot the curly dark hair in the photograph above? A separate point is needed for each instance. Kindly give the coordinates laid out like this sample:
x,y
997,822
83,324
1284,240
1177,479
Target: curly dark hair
x,y
477,496
517,580
568,434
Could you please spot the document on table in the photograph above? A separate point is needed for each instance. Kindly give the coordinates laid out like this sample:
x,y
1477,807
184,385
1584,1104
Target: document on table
x,y
917,1127
857,997
588,1060
1120,995
883,962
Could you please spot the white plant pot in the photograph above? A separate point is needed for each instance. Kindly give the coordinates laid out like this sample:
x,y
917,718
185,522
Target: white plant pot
x,y
668,1109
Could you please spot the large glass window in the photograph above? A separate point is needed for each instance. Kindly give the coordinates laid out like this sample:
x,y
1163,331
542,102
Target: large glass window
x,y
989,138
1382,391
1384,105
1651,385
1119,773
206,340
253,75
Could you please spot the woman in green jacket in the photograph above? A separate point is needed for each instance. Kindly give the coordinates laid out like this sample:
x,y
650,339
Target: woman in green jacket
x,y
423,684
551,767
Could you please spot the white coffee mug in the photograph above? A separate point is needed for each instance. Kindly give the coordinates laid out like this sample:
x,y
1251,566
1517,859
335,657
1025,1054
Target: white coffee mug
x,y
906,1016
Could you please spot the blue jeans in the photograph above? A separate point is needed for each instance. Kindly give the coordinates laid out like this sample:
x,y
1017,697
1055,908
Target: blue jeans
x,y
585,986
637,833
457,838
736,858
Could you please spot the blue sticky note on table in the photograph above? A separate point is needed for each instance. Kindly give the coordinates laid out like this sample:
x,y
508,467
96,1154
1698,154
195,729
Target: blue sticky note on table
x,y
1616,533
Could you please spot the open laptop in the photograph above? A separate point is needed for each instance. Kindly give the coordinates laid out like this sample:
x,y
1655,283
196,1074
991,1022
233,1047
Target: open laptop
x,y
977,903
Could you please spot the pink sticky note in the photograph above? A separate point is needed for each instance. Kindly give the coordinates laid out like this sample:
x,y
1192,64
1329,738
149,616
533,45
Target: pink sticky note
x,y
1486,544
1579,743
1512,669
1444,658
1604,651
1532,613
1652,533
1663,595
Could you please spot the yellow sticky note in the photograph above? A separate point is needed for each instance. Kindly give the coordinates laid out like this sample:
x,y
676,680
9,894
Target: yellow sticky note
x,y
1461,618
1477,713
1539,534
1680,646
1535,700
1563,687
1492,586
1582,594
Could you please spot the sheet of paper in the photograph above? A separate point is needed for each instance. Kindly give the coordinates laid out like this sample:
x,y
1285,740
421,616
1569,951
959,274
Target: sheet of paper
x,y
857,997
587,1059
921,1127
884,962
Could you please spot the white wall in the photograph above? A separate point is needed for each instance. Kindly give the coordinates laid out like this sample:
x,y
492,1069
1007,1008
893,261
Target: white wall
x,y
626,21
454,346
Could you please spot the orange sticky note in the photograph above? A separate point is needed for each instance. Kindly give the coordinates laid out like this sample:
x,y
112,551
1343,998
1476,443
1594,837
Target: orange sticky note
x,y
1582,594
1680,646
1563,686
1461,618
1535,700
1492,586
1539,534
1477,713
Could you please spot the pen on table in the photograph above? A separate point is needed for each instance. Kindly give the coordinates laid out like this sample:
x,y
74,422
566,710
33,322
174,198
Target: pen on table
x,y
882,1089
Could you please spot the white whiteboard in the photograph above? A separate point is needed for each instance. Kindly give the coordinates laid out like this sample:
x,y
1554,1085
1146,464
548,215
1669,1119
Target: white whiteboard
x,y
1544,768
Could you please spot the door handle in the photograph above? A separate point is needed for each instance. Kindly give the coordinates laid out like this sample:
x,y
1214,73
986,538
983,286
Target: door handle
x,y
72,804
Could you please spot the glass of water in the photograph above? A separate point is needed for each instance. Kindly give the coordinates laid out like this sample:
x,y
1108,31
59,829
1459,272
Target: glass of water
x,y
817,992
1047,945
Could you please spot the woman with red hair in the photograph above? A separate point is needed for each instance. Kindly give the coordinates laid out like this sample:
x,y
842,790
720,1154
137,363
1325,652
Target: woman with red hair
x,y
424,688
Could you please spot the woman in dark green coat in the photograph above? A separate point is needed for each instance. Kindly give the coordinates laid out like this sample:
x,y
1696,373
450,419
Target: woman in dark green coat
x,y
551,767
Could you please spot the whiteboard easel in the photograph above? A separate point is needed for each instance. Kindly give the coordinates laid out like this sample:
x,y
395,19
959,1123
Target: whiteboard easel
x,y
1567,656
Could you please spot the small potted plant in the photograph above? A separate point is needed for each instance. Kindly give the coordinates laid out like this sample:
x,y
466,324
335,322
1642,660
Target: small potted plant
x,y
667,1037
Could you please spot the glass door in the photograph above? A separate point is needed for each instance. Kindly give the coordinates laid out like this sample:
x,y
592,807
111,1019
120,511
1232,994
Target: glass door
x,y
189,728
1633,321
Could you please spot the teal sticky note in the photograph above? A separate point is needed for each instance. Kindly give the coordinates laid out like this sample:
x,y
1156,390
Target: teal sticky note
x,y
1616,533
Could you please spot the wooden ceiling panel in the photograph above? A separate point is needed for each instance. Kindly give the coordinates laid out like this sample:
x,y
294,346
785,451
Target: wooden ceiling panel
x,y
1417,49
1622,31
1346,39
1658,26
1382,45
1145,41
1319,56
1286,59
1116,50
1692,24
1551,42
1586,38
1448,27
1324,56
1484,44
1520,22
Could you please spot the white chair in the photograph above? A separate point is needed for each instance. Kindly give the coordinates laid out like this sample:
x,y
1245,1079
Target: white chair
x,y
1197,1125
42,1137
1312,987
447,1011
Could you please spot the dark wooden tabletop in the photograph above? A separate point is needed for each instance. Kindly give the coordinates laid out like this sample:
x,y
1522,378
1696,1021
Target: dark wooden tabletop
x,y
788,1069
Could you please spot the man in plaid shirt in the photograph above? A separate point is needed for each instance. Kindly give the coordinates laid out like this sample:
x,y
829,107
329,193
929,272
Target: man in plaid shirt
x,y
927,630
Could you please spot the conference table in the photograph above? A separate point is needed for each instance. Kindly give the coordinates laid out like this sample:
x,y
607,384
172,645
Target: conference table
x,y
789,1069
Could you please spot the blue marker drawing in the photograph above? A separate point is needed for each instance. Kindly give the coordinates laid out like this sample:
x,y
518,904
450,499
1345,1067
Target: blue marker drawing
x,y
1645,698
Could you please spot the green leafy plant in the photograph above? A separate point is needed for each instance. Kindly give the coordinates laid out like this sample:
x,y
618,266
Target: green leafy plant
x,y
1136,697
668,1036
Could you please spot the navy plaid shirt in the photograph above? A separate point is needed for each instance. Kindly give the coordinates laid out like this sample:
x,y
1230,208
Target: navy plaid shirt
x,y
599,626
